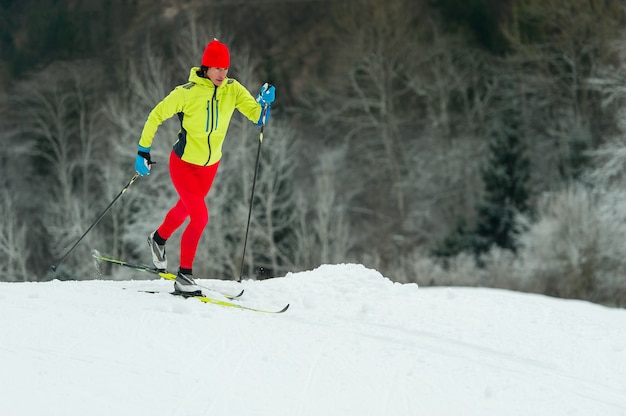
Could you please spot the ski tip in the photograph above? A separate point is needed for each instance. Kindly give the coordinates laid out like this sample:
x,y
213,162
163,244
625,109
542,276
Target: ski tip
x,y
283,309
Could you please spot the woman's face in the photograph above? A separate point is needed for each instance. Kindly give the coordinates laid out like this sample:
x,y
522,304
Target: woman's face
x,y
216,75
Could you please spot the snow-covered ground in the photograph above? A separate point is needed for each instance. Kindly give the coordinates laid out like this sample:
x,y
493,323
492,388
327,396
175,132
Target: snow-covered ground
x,y
351,343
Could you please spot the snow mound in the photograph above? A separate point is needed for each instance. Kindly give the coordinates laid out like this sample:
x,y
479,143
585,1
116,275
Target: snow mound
x,y
351,343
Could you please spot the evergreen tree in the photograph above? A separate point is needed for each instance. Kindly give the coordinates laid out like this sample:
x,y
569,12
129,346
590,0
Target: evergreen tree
x,y
505,177
506,193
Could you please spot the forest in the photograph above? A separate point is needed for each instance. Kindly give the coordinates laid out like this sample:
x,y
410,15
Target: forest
x,y
474,143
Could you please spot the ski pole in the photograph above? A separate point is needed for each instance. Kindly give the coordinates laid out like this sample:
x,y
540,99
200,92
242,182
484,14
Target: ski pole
x,y
135,176
256,169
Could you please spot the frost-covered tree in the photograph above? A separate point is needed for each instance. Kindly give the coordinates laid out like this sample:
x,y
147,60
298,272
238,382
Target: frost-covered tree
x,y
14,250
58,122
575,247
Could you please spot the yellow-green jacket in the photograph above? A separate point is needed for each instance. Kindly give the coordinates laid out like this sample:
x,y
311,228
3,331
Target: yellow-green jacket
x,y
204,111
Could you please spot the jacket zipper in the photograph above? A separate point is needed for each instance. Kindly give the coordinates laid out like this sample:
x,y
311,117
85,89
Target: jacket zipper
x,y
210,106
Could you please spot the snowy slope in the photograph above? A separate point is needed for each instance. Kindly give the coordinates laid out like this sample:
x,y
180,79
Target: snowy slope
x,y
352,343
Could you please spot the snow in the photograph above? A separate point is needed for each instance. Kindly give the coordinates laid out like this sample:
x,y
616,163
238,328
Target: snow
x,y
352,343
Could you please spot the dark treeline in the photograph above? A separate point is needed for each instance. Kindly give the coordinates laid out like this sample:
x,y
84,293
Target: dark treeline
x,y
440,142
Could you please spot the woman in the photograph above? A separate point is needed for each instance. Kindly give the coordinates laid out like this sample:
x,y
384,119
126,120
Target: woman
x,y
204,107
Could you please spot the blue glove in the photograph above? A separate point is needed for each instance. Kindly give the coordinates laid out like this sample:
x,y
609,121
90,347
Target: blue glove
x,y
266,95
265,115
142,161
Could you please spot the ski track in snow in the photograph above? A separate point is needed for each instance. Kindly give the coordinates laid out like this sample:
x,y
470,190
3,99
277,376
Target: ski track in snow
x,y
351,343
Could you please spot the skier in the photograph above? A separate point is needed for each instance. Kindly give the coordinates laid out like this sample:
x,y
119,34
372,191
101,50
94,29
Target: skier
x,y
204,107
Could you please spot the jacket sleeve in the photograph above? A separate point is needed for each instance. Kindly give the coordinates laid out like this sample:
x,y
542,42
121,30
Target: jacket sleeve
x,y
247,105
170,105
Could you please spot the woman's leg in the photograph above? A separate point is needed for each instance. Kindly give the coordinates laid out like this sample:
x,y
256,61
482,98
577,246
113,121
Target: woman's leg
x,y
193,184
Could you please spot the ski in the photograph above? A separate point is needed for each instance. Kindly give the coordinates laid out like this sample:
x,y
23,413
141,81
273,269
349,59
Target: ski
x,y
206,299
161,273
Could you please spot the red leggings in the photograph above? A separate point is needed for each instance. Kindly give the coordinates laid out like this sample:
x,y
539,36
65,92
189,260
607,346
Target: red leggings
x,y
192,182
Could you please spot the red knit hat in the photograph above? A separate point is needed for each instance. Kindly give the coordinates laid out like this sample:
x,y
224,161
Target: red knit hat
x,y
216,55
